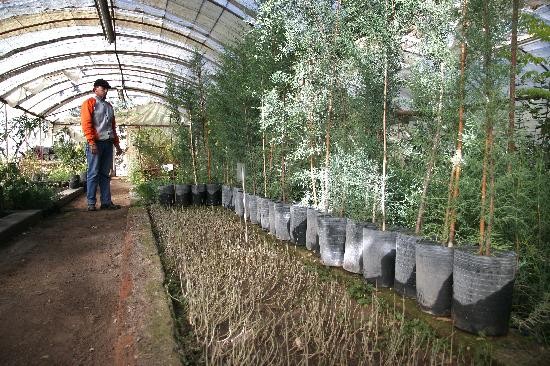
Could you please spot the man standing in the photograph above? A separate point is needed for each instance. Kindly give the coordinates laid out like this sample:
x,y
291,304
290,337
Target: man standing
x,y
98,124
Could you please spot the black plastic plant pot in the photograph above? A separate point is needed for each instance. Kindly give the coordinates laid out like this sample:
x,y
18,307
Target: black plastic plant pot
x,y
434,277
198,194
239,205
183,195
264,213
353,254
213,194
379,257
227,197
253,208
405,264
298,224
84,179
74,182
272,217
332,239
282,221
312,234
166,194
482,291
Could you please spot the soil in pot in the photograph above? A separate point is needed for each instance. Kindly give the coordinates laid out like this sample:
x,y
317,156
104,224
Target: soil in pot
x,y
183,195
332,239
166,194
434,277
405,264
282,221
298,224
482,291
379,257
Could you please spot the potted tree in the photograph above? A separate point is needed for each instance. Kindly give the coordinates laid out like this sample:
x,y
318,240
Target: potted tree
x,y
71,156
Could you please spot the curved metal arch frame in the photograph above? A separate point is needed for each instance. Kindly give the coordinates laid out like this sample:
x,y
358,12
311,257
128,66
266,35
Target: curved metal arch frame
x,y
76,96
30,47
131,71
195,35
107,66
62,57
72,87
163,101
154,26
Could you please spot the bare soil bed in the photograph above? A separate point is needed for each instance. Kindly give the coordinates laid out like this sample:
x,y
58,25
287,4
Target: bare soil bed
x,y
62,287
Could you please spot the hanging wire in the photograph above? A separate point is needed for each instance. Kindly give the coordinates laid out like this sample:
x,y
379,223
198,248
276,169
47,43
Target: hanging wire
x,y
123,86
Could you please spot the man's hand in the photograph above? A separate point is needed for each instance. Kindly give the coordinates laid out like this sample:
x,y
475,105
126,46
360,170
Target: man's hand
x,y
93,148
118,150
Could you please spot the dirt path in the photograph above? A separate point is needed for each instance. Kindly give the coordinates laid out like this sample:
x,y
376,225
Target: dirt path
x,y
64,286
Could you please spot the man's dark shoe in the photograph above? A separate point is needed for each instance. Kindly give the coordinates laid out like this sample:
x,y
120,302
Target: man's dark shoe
x,y
110,206
92,208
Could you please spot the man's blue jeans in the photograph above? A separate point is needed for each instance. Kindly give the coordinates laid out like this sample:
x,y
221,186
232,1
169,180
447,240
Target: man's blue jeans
x,y
99,169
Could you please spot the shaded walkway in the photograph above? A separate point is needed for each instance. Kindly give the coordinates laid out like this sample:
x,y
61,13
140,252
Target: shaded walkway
x,y
67,293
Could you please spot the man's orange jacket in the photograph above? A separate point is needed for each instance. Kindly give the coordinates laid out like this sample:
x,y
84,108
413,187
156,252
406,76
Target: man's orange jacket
x,y
87,121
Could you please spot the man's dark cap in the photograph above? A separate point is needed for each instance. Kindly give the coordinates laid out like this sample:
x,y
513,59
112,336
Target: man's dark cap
x,y
103,83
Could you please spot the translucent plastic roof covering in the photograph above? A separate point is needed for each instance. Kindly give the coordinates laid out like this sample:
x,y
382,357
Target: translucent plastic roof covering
x,y
52,51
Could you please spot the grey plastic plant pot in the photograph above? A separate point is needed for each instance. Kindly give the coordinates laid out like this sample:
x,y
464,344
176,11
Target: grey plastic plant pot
x,y
198,194
253,207
227,197
272,217
213,194
282,221
482,291
379,257
312,234
166,194
259,203
353,255
298,224
235,189
405,264
264,213
247,203
434,277
239,206
332,239
182,195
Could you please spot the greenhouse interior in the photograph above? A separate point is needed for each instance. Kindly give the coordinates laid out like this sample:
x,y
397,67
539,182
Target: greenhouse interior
x,y
280,182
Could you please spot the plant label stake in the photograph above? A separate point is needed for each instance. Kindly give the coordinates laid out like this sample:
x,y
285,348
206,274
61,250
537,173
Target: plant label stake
x,y
240,176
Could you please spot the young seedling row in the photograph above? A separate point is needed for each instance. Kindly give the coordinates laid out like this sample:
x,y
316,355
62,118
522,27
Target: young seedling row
x,y
256,302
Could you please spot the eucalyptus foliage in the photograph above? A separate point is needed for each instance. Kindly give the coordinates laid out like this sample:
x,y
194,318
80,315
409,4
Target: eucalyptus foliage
x,y
300,101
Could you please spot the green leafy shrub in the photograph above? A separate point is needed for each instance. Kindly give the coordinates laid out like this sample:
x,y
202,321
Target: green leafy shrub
x,y
19,193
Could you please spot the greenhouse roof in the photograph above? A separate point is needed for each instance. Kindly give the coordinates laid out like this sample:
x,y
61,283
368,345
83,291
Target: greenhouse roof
x,y
52,51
